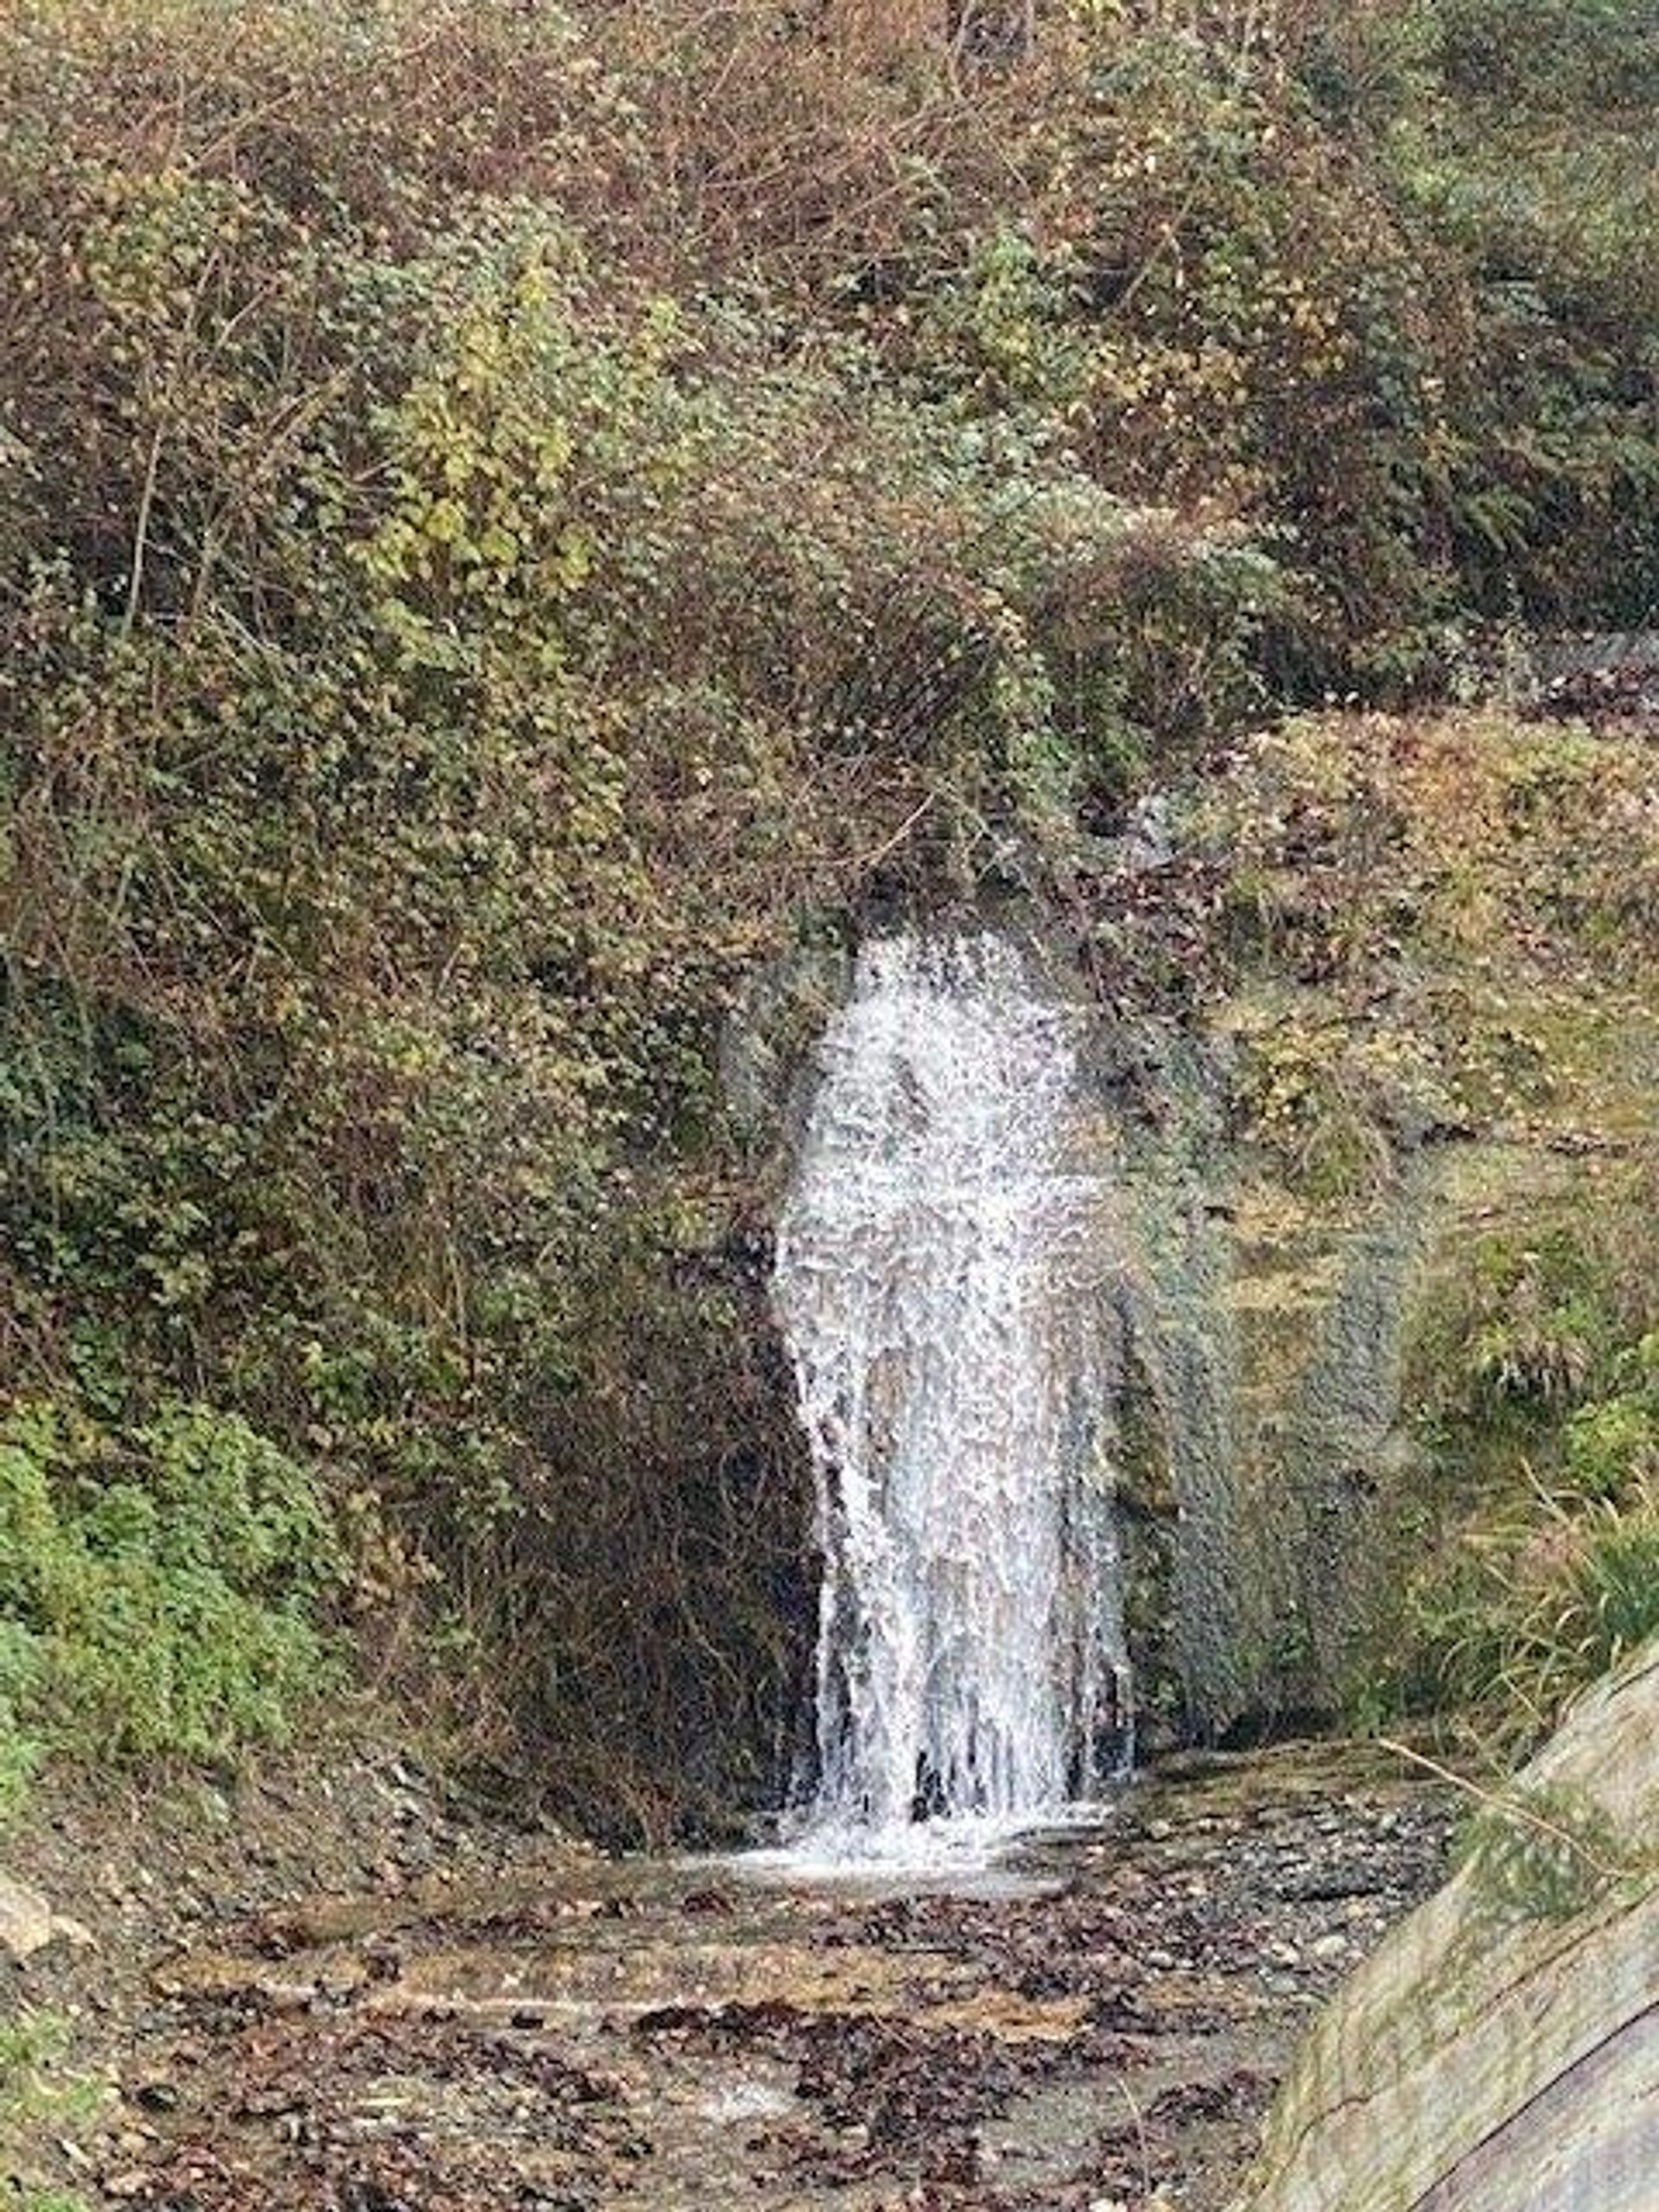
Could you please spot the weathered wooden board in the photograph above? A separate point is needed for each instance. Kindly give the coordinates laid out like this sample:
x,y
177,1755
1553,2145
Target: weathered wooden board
x,y
1485,2061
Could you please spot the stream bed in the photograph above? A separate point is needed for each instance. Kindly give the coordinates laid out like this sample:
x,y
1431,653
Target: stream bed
x,y
1097,2021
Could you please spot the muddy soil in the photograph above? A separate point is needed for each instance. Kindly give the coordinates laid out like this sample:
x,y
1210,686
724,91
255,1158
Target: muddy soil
x,y
477,2024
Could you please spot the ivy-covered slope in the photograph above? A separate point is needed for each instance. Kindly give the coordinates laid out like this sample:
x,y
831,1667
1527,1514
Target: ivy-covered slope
x,y
515,515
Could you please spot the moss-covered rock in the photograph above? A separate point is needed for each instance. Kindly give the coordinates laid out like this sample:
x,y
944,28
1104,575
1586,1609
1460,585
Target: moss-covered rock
x,y
1417,1030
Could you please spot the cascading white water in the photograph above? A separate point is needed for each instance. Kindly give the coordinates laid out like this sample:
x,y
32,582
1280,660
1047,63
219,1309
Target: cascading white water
x,y
941,1272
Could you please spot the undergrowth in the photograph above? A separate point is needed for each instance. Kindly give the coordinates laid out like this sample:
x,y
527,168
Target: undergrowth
x,y
520,518
1543,1573
161,1588
36,2092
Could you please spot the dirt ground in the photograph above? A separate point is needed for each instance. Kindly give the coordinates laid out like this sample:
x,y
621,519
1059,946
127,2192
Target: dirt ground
x,y
328,1992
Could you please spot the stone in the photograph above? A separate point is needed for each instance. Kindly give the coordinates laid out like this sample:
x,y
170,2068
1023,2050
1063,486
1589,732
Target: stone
x,y
26,1920
28,1924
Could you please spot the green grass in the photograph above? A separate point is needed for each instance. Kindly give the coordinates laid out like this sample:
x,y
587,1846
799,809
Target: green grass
x,y
37,2091
1539,1385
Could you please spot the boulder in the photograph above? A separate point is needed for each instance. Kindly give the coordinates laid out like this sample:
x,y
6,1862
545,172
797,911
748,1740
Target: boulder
x,y
28,1924
1500,2053
26,1920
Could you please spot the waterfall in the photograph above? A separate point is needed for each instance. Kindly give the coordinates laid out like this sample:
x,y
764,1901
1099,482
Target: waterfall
x,y
943,1274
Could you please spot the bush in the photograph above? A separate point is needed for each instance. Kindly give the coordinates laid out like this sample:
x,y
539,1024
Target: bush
x,y
161,1588
445,647
20,1749
1532,1605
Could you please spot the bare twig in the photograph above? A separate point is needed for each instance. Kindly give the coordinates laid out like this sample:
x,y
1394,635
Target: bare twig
x,y
141,533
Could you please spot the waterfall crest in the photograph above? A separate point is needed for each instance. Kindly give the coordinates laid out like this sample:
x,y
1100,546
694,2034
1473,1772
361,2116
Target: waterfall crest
x,y
940,1270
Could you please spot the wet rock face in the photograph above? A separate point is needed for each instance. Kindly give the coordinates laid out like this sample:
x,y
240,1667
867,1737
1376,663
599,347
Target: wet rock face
x,y
1599,679
1258,1437
1500,2053
1383,990
765,1043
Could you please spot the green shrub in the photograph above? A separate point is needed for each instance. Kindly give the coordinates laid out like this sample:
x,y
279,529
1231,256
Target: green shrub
x,y
1539,1335
1537,1386
161,1588
1531,1603
20,1749
1613,1444
1616,1584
